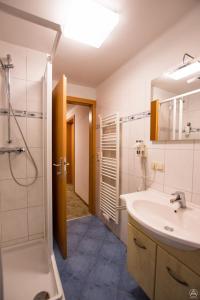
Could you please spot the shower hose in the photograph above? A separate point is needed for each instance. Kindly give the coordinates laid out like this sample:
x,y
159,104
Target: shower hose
x,y
24,140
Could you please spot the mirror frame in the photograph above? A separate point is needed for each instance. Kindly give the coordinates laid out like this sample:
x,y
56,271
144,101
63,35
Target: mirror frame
x,y
154,124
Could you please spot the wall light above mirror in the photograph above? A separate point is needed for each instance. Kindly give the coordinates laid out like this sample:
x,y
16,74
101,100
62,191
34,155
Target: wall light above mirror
x,y
175,103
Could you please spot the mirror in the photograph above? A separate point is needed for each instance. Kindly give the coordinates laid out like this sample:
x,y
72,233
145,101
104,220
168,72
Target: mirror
x,y
175,108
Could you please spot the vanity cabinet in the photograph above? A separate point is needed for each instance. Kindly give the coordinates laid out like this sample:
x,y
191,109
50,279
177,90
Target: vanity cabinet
x,y
173,279
141,259
163,272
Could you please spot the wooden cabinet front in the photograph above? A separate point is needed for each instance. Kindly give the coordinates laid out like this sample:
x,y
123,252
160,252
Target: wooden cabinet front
x,y
141,259
174,280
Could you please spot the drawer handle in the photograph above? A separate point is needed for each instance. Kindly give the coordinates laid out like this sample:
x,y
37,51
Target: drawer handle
x,y
138,244
170,272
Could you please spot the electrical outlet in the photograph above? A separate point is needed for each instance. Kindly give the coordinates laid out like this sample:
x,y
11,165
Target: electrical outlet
x,y
157,166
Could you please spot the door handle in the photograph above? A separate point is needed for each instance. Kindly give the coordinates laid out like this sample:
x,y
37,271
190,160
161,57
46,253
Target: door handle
x,y
58,165
66,164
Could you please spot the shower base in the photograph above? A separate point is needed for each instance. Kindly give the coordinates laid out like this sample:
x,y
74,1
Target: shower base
x,y
26,272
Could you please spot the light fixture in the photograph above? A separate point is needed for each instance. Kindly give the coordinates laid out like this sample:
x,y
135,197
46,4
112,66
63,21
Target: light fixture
x,y
193,79
89,22
186,69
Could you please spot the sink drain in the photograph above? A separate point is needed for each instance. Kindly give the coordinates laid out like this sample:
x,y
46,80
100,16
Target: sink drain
x,y
42,296
168,228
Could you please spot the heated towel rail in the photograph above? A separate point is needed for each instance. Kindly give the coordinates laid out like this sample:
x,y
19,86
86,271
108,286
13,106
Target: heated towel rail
x,y
109,166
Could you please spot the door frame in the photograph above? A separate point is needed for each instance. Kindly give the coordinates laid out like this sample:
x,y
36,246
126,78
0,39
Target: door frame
x,y
72,119
92,146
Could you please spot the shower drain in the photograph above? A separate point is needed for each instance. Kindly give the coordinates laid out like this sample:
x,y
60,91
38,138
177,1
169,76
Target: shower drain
x,y
42,296
168,228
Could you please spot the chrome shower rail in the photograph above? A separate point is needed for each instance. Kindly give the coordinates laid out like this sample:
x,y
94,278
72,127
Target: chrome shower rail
x,y
22,113
16,150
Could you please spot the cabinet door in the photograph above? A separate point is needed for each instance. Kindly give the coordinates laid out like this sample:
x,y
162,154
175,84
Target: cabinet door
x,y
141,259
174,280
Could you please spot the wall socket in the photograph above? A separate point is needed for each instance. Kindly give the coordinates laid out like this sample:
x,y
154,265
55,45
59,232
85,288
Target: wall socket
x,y
157,166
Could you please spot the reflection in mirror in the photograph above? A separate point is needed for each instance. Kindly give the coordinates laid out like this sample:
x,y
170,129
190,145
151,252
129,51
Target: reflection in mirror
x,y
177,113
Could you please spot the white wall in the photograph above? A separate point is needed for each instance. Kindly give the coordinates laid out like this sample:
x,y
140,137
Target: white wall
x,y
128,90
21,208
81,114
81,91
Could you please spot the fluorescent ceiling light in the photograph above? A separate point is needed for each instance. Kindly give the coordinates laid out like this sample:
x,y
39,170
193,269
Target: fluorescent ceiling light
x,y
89,22
184,71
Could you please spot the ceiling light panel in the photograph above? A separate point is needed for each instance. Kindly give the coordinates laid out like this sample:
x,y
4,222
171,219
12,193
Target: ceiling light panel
x,y
89,22
185,71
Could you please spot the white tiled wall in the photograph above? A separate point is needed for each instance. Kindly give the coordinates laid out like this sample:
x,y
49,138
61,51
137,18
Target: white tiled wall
x,y
21,208
181,164
128,90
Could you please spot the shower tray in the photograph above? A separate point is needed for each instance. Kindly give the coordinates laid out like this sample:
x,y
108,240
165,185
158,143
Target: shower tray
x,y
26,272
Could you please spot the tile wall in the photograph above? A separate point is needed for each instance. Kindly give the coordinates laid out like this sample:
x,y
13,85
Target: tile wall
x,y
21,208
128,90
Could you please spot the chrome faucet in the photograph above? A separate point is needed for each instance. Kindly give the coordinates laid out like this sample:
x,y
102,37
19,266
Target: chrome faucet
x,y
180,197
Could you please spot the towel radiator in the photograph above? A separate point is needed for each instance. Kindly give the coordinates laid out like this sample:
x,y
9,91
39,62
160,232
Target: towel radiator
x,y
109,166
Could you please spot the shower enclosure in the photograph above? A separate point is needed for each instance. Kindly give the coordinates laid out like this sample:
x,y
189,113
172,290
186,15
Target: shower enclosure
x,y
6,68
27,265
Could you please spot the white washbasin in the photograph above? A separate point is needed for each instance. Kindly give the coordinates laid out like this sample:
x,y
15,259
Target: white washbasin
x,y
153,210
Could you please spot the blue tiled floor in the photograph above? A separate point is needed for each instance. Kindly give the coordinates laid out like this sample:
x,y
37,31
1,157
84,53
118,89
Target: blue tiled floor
x,y
96,265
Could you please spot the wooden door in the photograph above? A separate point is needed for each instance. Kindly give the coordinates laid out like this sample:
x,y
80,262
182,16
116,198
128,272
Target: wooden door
x,y
59,137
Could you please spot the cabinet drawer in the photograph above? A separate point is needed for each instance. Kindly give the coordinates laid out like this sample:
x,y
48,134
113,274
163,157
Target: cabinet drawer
x,y
173,279
141,259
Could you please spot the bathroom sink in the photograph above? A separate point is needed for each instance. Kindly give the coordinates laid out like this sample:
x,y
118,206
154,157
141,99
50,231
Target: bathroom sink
x,y
174,226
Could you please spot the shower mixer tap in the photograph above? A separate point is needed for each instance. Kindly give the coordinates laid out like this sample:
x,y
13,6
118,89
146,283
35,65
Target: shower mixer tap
x,y
16,150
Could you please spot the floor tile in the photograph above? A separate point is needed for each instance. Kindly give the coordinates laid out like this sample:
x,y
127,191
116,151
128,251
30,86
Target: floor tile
x,y
113,238
126,282
77,266
72,288
112,252
121,295
93,292
77,228
96,265
90,246
73,242
105,274
97,232
59,260
85,220
96,221
139,294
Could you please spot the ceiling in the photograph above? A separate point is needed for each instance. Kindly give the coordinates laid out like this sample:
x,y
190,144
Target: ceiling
x,y
141,21
40,39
